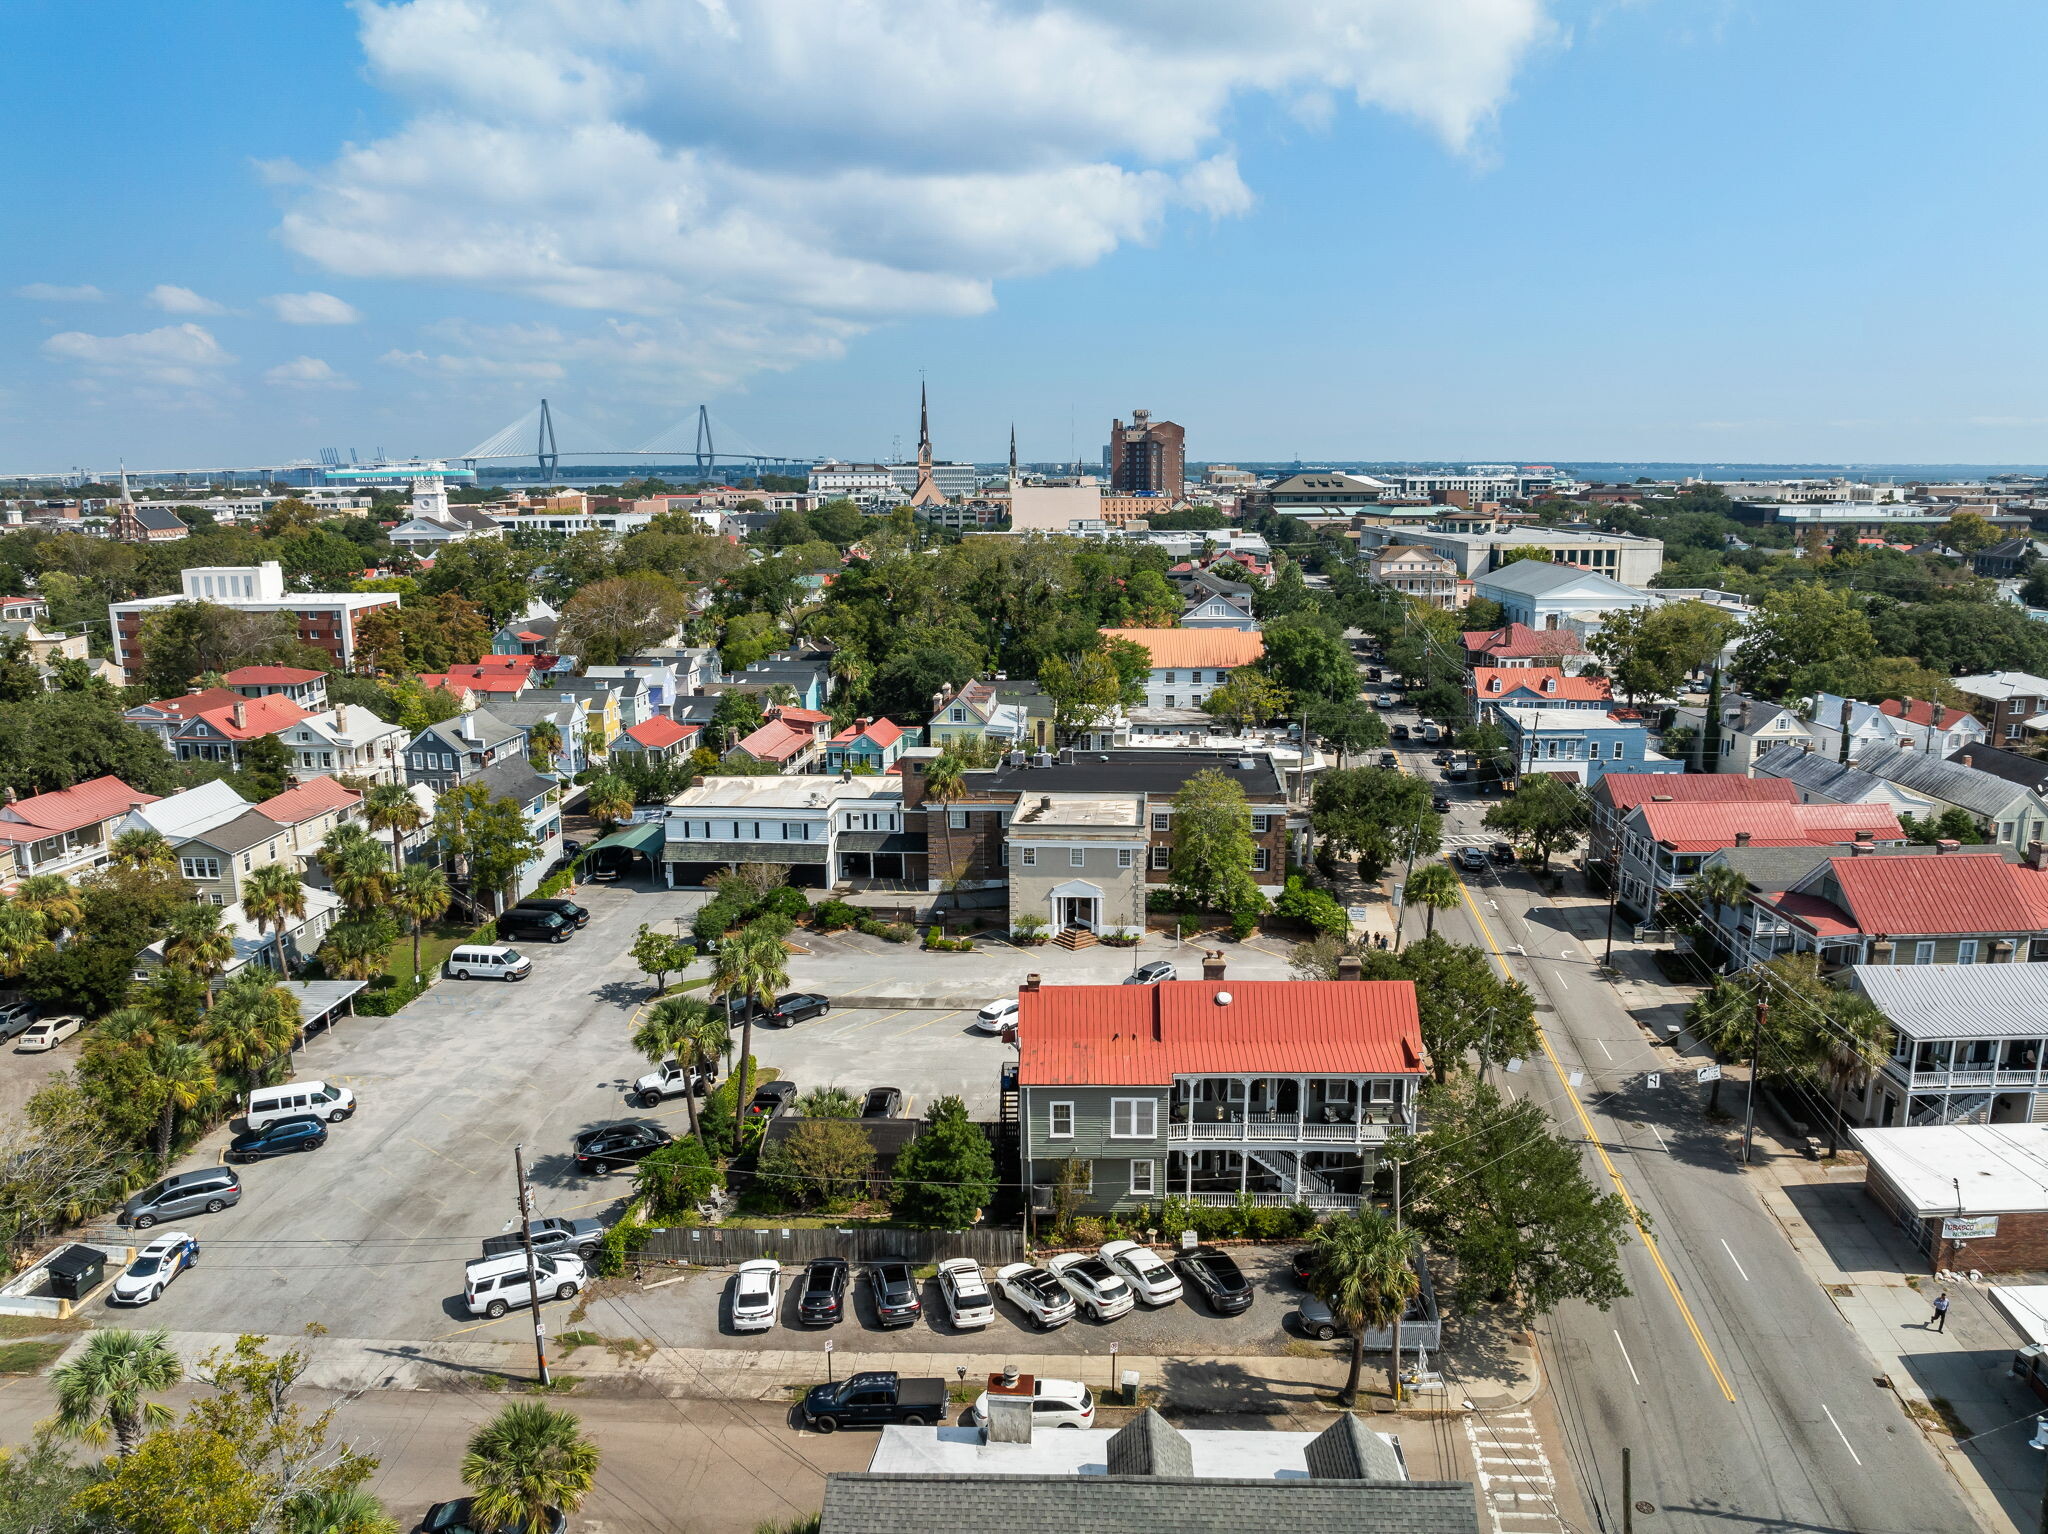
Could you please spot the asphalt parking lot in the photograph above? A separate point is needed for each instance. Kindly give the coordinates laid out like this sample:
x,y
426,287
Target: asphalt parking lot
x,y
927,1053
368,1234
697,1314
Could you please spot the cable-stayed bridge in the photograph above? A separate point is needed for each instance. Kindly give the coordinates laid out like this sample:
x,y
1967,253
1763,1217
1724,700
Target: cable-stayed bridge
x,y
691,443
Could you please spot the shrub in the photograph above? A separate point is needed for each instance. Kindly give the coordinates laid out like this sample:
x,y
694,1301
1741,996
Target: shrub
x,y
1119,939
775,926
828,915
1162,900
388,993
1243,924
1028,929
714,920
786,901
715,1115
1312,908
677,1178
620,1245
934,935
1088,1231
897,932
824,1162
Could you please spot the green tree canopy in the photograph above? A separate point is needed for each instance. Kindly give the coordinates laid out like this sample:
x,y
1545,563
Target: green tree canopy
x,y
1211,856
947,1175
1796,628
1546,814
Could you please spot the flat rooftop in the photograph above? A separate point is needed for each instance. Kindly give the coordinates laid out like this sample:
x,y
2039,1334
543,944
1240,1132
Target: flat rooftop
x,y
1080,810
1242,1454
1128,770
801,792
1962,1168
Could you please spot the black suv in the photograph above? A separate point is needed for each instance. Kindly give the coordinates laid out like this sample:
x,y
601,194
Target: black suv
x,y
822,1301
568,910
895,1291
524,921
1218,1276
617,1145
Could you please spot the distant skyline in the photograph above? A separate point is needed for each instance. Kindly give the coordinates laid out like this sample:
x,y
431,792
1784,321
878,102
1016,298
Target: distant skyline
x,y
1678,231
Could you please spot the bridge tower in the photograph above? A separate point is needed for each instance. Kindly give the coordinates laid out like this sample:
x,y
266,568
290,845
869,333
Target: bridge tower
x,y
545,451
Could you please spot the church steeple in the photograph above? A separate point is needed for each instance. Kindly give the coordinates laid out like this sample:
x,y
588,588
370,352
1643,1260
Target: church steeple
x,y
927,492
1013,455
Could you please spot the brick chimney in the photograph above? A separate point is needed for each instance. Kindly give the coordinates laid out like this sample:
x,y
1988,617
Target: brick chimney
x,y
1866,837
1348,968
240,714
1212,964
1031,981
1946,845
1742,838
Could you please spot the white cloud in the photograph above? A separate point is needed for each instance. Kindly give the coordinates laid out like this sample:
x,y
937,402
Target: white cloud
x,y
313,309
179,357
306,373
51,293
756,180
173,299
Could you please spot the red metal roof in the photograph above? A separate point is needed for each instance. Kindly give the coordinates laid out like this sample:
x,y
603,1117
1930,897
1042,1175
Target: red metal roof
x,y
1543,683
1920,711
775,741
1132,1035
69,809
193,704
258,716
1518,639
251,676
659,732
1704,827
1625,790
1821,917
883,732
1942,894
316,796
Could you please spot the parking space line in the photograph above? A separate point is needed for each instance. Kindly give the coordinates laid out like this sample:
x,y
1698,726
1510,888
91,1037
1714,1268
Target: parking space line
x,y
422,1144
943,1017
871,1022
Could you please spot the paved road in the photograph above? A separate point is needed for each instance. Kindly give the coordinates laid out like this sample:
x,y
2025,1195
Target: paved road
x,y
1745,1400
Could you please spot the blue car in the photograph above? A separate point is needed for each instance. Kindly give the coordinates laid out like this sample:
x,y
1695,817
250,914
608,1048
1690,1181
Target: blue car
x,y
278,1138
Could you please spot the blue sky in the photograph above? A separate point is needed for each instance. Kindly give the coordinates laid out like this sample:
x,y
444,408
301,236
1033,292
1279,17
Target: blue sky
x,y
1484,229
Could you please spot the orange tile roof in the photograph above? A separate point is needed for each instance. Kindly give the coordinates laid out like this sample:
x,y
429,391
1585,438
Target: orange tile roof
x,y
659,732
1195,647
1131,1035
69,809
1504,681
1700,827
316,796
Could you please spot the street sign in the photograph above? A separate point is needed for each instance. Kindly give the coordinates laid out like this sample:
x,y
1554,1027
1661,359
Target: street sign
x,y
1576,1079
1653,1081
1400,894
1513,1065
1707,1073
1359,914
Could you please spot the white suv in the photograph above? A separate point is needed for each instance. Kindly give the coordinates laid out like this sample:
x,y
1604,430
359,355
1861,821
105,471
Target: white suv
x,y
1037,1293
1093,1283
968,1302
1144,1270
756,1293
493,1285
1056,1403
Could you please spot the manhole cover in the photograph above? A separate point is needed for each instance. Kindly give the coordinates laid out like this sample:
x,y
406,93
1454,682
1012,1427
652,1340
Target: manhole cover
x,y
1646,1507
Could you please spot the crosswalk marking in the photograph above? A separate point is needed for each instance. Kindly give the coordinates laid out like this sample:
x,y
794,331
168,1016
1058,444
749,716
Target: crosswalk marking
x,y
1515,1479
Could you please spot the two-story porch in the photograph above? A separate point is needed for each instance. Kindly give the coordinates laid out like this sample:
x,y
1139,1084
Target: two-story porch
x,y
1968,1044
1282,1139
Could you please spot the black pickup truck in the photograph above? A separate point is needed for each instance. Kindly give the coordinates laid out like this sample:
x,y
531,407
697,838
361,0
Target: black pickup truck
x,y
864,1400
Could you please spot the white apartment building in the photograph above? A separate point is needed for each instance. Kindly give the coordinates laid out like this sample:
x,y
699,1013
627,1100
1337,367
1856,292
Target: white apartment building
x,y
802,824
326,619
865,484
956,481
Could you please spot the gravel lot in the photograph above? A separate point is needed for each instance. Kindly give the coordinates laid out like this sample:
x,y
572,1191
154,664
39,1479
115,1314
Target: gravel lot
x,y
926,1053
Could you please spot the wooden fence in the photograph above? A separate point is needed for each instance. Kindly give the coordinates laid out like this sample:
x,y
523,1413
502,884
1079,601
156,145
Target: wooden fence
x,y
716,1246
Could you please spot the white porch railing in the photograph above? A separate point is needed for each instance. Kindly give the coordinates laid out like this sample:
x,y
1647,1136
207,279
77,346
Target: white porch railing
x,y
1271,1200
1287,1130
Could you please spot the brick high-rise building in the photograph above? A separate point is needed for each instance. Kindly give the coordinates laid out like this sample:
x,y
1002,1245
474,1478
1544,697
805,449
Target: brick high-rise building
x,y
1147,457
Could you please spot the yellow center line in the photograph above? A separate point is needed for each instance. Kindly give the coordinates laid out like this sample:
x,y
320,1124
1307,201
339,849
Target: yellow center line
x,y
1593,1139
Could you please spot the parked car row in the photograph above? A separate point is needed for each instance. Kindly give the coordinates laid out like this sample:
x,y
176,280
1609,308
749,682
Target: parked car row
x,y
1104,1285
882,1398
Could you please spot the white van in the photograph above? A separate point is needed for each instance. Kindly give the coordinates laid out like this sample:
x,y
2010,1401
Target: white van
x,y
1431,730
300,1100
493,1285
488,962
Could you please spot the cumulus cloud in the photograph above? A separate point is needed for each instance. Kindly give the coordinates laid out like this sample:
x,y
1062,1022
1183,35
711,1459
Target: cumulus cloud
x,y
173,299
306,373
52,293
313,309
753,181
179,357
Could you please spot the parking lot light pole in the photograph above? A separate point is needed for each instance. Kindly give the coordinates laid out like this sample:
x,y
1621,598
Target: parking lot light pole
x,y
540,1336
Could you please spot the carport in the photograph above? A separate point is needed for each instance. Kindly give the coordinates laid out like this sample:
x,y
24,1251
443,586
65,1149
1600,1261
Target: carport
x,y
628,842
323,1003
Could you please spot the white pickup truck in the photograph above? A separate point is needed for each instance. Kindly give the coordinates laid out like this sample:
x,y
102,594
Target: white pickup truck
x,y
670,1079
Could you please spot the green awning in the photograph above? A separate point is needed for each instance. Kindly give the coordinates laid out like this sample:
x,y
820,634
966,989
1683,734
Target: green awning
x,y
643,838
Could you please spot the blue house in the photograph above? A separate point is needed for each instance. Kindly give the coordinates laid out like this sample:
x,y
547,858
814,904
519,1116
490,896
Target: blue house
x,y
871,743
1580,743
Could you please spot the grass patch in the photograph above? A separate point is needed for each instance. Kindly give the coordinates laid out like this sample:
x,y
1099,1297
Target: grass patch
x,y
29,1357
436,943
568,1342
1936,1412
14,1327
1299,1347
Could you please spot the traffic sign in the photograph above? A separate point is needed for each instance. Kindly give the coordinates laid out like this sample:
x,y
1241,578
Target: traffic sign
x,y
1653,1081
1707,1073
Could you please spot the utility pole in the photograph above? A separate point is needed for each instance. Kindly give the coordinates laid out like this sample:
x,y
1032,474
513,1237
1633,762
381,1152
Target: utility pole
x,y
1756,1047
1628,1496
540,1338
1613,889
1404,1303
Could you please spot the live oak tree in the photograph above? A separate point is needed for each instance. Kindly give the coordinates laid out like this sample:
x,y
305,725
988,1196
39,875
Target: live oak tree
x,y
1377,815
1491,1184
608,621
1246,699
1465,1007
1650,651
1546,814
1211,856
1349,724
1086,690
1308,660
1796,628
947,1175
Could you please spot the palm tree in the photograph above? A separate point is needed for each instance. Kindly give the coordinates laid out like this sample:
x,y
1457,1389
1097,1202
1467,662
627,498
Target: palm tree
x,y
391,807
358,872
178,1077
52,897
354,1511
420,895
141,1026
1851,1040
685,1028
944,784
528,1459
1436,888
543,744
273,897
198,943
22,937
254,1022
1720,885
753,966
143,850
103,1387
354,949
1363,1271
610,801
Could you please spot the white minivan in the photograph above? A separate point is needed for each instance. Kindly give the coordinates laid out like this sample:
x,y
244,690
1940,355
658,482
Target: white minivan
x,y
300,1100
493,961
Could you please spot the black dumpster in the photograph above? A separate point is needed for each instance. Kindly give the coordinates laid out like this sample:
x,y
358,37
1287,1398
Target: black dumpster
x,y
76,1271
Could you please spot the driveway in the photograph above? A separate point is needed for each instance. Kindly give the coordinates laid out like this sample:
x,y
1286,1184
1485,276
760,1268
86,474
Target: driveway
x,y
368,1235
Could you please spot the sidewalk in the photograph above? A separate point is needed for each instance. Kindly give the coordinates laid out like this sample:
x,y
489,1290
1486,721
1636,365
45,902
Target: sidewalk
x,y
1955,1383
1503,1375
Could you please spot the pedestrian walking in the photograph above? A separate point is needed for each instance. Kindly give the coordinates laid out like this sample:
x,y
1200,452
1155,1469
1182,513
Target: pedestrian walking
x,y
1940,1321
